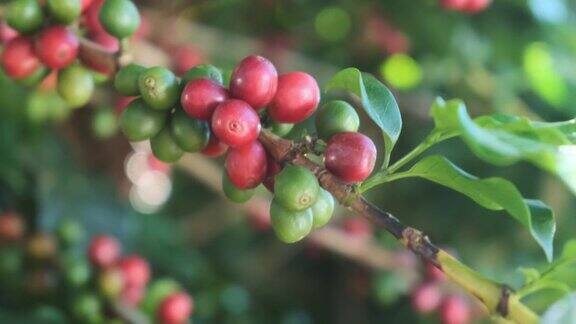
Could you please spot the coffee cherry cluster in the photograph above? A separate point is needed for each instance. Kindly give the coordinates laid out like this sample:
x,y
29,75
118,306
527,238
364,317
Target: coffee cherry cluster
x,y
434,294
42,265
467,6
42,42
197,113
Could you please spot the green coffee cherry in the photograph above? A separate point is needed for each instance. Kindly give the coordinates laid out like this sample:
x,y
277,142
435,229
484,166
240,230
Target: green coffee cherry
x,y
165,148
24,15
335,117
159,88
192,135
126,80
281,129
323,208
110,283
64,11
206,71
140,122
43,106
120,18
76,271
69,232
87,309
296,188
158,290
290,226
233,193
75,86
104,123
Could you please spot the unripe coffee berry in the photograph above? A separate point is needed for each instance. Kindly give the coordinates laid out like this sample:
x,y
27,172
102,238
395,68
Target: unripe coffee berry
x,y
254,80
12,227
235,123
296,98
191,135
140,122
215,148
104,251
18,58
296,188
290,226
159,88
335,117
350,156
281,129
165,148
454,310
200,97
120,18
24,15
75,85
57,47
135,270
246,165
158,291
110,282
87,309
233,193
42,246
426,298
64,11
175,309
203,71
126,80
323,208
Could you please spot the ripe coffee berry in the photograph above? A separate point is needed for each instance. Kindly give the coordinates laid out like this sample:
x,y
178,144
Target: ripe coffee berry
x,y
322,209
175,309
126,80
335,117
296,98
254,80
246,165
200,97
135,270
454,310
203,71
454,4
159,88
426,298
64,11
350,156
233,193
57,47
7,33
18,58
215,148
475,6
296,188
140,122
290,226
191,135
120,18
92,19
104,251
75,85
24,15
235,123
165,148
11,227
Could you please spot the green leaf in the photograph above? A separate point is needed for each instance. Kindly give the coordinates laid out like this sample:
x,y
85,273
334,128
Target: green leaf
x,y
561,312
505,141
377,101
491,193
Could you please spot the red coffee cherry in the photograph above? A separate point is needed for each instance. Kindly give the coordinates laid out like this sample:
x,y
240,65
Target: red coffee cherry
x,y
455,310
175,309
7,33
235,123
246,165
57,47
215,148
200,97
456,5
92,17
135,270
433,273
18,59
426,298
11,227
350,156
254,80
104,251
84,4
296,99
475,6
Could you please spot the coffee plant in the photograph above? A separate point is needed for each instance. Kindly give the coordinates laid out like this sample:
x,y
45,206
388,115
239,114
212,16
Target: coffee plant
x,y
304,142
